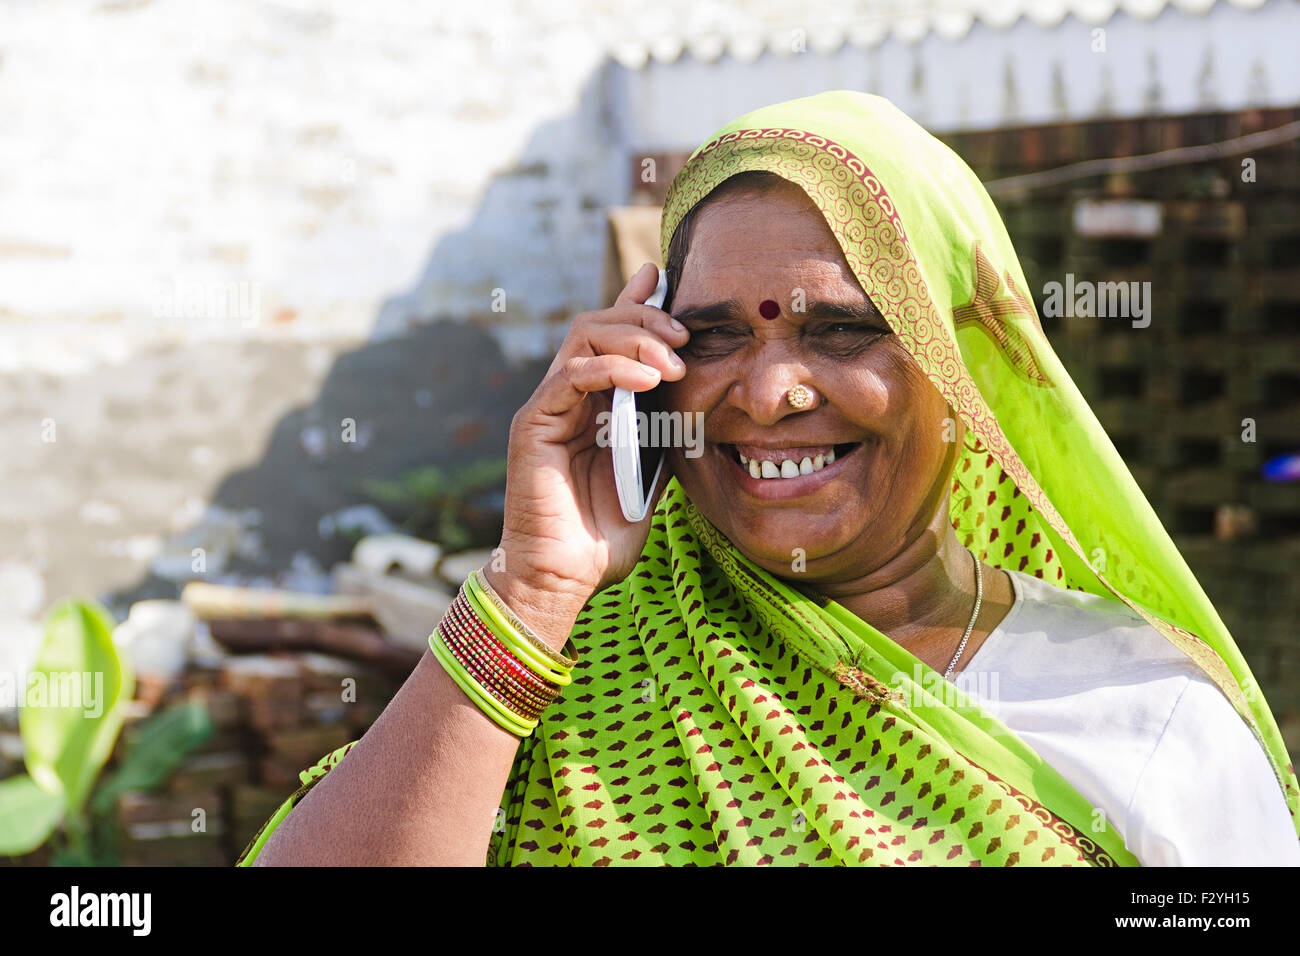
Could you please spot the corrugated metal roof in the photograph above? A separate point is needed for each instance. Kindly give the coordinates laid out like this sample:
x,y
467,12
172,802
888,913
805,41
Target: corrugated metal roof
x,y
1181,56
771,26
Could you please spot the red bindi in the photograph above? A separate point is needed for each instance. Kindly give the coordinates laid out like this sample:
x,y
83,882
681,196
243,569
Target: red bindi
x,y
768,309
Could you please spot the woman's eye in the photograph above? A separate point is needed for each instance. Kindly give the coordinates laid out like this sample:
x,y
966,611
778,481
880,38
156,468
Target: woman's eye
x,y
713,341
714,333
846,338
851,328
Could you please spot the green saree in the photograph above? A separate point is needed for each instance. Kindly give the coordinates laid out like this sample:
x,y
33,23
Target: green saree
x,y
718,715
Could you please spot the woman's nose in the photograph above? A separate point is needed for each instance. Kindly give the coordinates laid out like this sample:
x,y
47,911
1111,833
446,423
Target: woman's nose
x,y
768,394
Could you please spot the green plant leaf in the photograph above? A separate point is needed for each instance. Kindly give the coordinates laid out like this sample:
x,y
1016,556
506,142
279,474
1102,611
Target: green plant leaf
x,y
28,815
432,483
164,741
428,482
482,474
436,499
73,856
75,701
390,493
451,533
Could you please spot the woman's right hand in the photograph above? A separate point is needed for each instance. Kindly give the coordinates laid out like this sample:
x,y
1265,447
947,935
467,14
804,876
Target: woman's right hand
x,y
564,536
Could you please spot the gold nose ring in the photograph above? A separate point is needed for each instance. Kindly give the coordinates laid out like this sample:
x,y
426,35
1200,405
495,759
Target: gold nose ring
x,y
799,397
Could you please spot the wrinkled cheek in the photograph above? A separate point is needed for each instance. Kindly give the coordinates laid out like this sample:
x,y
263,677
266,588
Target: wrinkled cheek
x,y
696,391
695,401
689,471
870,396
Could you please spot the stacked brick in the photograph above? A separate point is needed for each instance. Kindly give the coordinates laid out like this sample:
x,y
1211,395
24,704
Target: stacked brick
x,y
272,717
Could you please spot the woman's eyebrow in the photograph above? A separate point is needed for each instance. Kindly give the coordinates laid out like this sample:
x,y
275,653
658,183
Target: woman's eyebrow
x,y
838,310
729,310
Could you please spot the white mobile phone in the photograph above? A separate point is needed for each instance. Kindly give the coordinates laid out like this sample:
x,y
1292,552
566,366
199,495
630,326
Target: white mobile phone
x,y
625,439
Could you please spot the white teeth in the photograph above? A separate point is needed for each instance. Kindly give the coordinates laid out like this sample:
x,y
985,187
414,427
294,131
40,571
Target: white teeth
x,y
786,467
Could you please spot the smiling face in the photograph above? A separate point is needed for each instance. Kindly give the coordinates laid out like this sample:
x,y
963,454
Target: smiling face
x,y
875,421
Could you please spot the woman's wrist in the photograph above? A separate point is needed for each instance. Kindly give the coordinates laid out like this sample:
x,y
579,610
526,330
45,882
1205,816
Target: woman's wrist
x,y
501,664
547,604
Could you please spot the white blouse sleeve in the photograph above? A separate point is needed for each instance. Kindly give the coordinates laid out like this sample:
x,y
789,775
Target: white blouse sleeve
x,y
1208,795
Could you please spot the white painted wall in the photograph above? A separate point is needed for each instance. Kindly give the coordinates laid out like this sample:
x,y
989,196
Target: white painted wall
x,y
323,155
341,168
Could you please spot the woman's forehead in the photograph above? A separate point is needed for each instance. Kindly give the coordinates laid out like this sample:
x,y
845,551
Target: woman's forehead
x,y
777,203
762,241
781,227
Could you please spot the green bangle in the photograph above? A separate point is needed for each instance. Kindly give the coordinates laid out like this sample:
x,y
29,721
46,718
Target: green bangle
x,y
485,702
507,635
497,711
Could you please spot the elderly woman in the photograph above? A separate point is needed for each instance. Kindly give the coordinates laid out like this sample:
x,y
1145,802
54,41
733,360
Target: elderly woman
x,y
907,607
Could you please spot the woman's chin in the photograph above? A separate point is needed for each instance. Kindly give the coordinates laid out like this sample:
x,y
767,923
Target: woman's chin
x,y
785,543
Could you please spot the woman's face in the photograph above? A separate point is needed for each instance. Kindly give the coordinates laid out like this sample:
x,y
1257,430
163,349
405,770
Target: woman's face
x,y
874,408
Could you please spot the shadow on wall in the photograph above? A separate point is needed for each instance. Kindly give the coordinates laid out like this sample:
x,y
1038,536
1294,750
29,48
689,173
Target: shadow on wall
x,y
437,384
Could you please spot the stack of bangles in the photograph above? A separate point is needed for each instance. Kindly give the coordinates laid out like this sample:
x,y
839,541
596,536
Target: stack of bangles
x,y
496,659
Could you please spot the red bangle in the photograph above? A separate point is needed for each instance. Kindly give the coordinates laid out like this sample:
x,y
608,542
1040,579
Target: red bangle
x,y
498,683
490,663
494,657
498,691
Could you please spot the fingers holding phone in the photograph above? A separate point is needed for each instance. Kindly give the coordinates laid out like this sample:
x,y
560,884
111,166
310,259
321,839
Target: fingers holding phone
x,y
565,526
603,349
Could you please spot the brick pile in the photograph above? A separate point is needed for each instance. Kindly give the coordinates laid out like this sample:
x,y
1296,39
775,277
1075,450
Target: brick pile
x,y
272,717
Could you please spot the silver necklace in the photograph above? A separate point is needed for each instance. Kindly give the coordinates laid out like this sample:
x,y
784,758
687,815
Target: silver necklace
x,y
979,599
